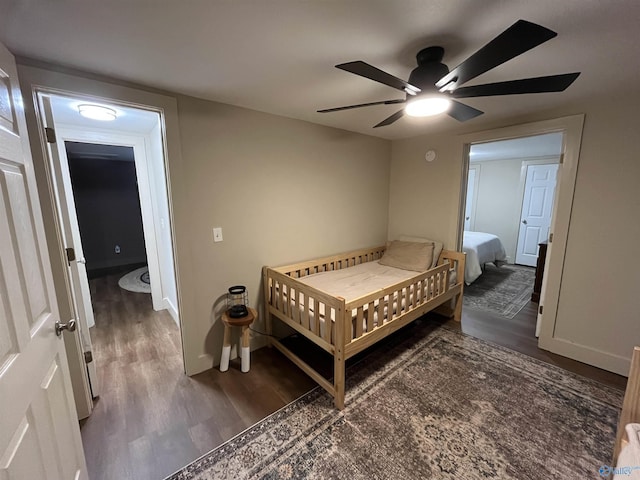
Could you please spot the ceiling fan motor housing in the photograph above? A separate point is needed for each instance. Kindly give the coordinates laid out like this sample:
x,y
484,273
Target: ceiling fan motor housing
x,y
430,69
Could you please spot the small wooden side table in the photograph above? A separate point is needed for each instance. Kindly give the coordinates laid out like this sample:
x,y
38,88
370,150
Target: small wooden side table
x,y
245,354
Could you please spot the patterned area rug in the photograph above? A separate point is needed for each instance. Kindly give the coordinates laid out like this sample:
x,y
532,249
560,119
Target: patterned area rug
x,y
438,405
501,290
136,281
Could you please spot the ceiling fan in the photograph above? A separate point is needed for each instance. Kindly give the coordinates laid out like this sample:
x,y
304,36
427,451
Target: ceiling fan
x,y
432,88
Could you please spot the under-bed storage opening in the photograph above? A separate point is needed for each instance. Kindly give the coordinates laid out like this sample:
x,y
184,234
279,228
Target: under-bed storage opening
x,y
344,328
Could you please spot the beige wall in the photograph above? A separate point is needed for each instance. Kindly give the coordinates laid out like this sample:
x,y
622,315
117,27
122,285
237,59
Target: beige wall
x,y
282,190
599,300
424,196
597,311
285,190
500,202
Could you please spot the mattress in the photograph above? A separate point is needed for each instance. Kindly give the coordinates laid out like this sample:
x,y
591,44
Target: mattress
x,y
352,283
357,281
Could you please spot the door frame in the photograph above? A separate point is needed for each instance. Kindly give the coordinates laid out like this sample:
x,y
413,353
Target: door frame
x,y
571,127
137,142
76,361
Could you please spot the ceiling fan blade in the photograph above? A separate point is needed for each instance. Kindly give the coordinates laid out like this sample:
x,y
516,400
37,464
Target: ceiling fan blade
x,y
515,40
391,119
383,102
372,73
552,83
462,112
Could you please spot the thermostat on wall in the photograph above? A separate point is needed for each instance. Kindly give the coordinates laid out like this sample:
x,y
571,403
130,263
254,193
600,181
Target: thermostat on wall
x,y
430,156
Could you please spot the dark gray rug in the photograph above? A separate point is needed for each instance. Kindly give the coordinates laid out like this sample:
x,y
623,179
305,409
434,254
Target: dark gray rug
x,y
439,405
501,290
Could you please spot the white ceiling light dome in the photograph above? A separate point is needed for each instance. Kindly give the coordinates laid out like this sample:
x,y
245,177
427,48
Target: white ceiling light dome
x,y
427,105
97,112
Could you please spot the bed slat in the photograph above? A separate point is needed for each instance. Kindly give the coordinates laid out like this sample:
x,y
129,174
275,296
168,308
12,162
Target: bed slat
x,y
360,320
316,323
304,318
371,312
329,312
407,298
294,298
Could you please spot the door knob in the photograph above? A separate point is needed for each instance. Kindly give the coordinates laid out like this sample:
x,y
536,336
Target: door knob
x,y
524,221
70,325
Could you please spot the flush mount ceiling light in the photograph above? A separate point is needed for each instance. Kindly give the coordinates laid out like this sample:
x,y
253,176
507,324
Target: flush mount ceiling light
x,y
427,105
97,112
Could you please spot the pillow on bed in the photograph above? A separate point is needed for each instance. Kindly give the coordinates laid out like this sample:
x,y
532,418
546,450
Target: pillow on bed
x,y
417,256
437,246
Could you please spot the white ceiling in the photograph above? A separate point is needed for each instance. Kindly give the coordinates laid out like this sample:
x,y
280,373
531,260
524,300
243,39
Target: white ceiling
x,y
277,56
132,120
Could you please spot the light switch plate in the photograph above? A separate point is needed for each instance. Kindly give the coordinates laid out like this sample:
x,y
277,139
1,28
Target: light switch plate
x,y
217,234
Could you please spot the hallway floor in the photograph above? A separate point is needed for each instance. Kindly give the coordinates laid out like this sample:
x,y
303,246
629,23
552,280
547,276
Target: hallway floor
x,y
151,419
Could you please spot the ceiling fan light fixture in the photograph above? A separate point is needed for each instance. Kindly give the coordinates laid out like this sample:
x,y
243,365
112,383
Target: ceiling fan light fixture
x,y
449,87
411,90
97,112
425,106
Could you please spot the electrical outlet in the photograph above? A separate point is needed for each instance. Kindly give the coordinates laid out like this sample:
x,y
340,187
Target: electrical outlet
x,y
117,249
217,234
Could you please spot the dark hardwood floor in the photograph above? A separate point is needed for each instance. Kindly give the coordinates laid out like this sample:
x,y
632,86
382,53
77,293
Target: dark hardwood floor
x,y
518,334
151,419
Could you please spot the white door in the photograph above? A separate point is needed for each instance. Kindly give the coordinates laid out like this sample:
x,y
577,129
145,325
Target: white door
x,y
537,208
70,232
39,433
472,195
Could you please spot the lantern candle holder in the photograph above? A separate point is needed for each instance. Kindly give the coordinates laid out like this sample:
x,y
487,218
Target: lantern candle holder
x,y
237,300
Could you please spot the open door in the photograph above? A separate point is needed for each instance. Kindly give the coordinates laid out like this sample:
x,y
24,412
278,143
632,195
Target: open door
x,y
39,433
537,210
473,178
72,243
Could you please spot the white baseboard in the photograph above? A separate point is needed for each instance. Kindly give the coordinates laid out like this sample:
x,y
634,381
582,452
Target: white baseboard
x,y
585,354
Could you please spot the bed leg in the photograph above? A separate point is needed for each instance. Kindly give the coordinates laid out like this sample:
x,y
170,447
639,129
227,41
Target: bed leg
x,y
457,312
338,381
268,322
342,330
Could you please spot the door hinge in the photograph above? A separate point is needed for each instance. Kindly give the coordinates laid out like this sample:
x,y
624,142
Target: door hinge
x,y
71,255
88,357
540,310
561,159
50,133
551,238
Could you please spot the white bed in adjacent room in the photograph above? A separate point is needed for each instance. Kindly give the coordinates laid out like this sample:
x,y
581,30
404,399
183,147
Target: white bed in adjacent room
x,y
481,248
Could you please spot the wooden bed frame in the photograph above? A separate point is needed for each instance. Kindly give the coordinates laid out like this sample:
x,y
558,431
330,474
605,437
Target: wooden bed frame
x,y
630,405
422,293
